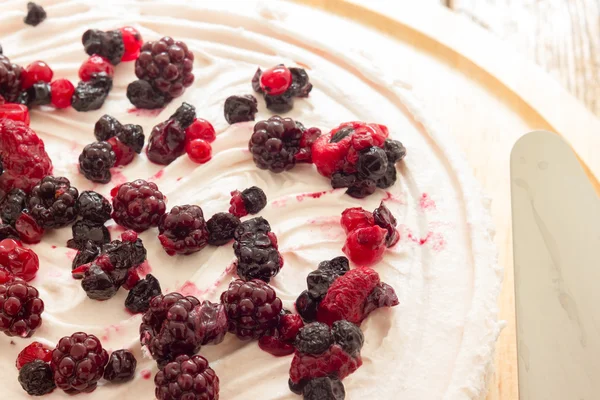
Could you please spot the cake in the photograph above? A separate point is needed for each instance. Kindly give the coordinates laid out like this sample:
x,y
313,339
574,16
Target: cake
x,y
438,342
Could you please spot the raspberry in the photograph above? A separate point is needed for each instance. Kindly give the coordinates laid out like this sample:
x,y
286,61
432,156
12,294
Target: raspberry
x,y
106,127
185,115
281,343
384,218
35,14
382,296
21,262
166,143
12,206
10,79
137,205
142,95
187,378
334,361
289,326
356,217
34,351
167,65
121,367
96,160
28,229
132,41
306,305
275,346
123,154
255,247
62,92
199,151
24,158
107,45
240,108
249,201
95,65
98,284
39,94
36,378
85,230
183,230
90,95
92,206
78,362
275,143
314,338
21,309
53,202
132,136
138,299
279,85
365,246
325,388
308,138
15,112
201,129
221,228
253,308
8,232
37,71
348,336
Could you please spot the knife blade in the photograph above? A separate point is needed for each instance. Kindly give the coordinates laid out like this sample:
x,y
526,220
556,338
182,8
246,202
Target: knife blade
x,y
556,241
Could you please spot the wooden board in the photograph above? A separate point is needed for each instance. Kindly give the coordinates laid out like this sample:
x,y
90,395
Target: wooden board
x,y
487,96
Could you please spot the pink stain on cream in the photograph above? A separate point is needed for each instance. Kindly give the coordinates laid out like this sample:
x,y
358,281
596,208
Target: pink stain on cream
x,y
435,240
300,197
426,203
144,113
191,289
144,269
107,331
157,175
146,374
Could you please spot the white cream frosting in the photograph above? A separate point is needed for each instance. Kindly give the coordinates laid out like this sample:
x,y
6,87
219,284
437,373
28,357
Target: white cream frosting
x,y
437,344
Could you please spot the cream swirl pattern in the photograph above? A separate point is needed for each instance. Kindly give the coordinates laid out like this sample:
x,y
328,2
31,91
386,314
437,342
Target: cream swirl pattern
x,y
437,344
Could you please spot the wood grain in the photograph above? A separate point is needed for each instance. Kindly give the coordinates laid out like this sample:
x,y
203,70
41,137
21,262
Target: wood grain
x,y
562,36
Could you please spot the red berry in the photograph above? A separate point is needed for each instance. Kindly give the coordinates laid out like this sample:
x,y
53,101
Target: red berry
x,y
238,208
62,91
35,72
132,279
29,230
35,351
15,112
198,150
2,100
123,153
94,65
356,217
129,236
201,129
5,275
21,262
365,246
275,346
132,40
275,81
289,326
334,361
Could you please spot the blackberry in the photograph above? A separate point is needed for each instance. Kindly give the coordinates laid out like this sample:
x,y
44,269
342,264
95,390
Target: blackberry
x,y
314,338
107,127
98,284
125,255
384,218
394,150
12,206
372,163
138,205
280,104
187,378
121,367
85,230
221,228
300,86
8,232
307,306
214,322
142,95
133,136
324,388
338,265
166,142
183,230
240,108
90,95
361,189
96,160
21,309
389,178
10,79
53,202
38,94
253,308
254,199
256,81
37,378
138,299
348,336
108,45
35,14
86,254
93,206
167,65
255,247
78,362
275,143
185,115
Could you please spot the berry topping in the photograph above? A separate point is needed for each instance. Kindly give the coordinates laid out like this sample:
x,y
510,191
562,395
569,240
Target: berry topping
x,y
28,229
15,112
320,280
325,388
123,154
249,201
133,136
96,160
306,305
10,79
124,255
395,150
138,299
309,136
121,367
384,218
372,163
142,95
19,261
275,346
185,115
35,14
221,228
12,206
8,232
282,342
167,65
107,45
301,85
37,71
95,65
253,308
90,95
137,205
21,309
106,127
365,246
85,230
356,217
279,85
289,326
275,81
240,108
166,143
255,247
97,283
38,94
183,230
86,255
53,202
34,351
199,151
62,92
314,338
201,129
92,206
334,361
36,378
78,362
382,296
132,41
5,275
349,336
187,378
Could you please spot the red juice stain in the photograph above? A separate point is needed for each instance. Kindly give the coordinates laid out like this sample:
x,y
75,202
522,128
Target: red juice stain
x,y
144,269
118,229
138,112
389,196
189,289
178,179
146,374
71,254
117,177
426,202
53,246
279,203
314,195
157,175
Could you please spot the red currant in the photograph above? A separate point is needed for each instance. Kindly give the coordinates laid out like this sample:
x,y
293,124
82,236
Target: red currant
x,y
62,92
124,154
133,43
21,262
201,129
276,80
16,112
29,231
93,65
35,72
35,351
198,150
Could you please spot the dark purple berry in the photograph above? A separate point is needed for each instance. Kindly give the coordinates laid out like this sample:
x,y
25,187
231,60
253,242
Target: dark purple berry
x,y
8,232
107,127
314,338
395,150
96,160
132,136
138,299
256,81
185,115
53,202
362,188
275,143
300,86
93,206
121,367
183,230
90,95
10,79
12,206
187,378
240,108
98,285
21,310
325,388
372,163
254,199
349,336
138,205
142,95
255,247
307,306
108,45
385,219
389,178
37,378
38,94
280,104
383,295
221,228
85,230
35,14
86,255
342,180
338,265
166,142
